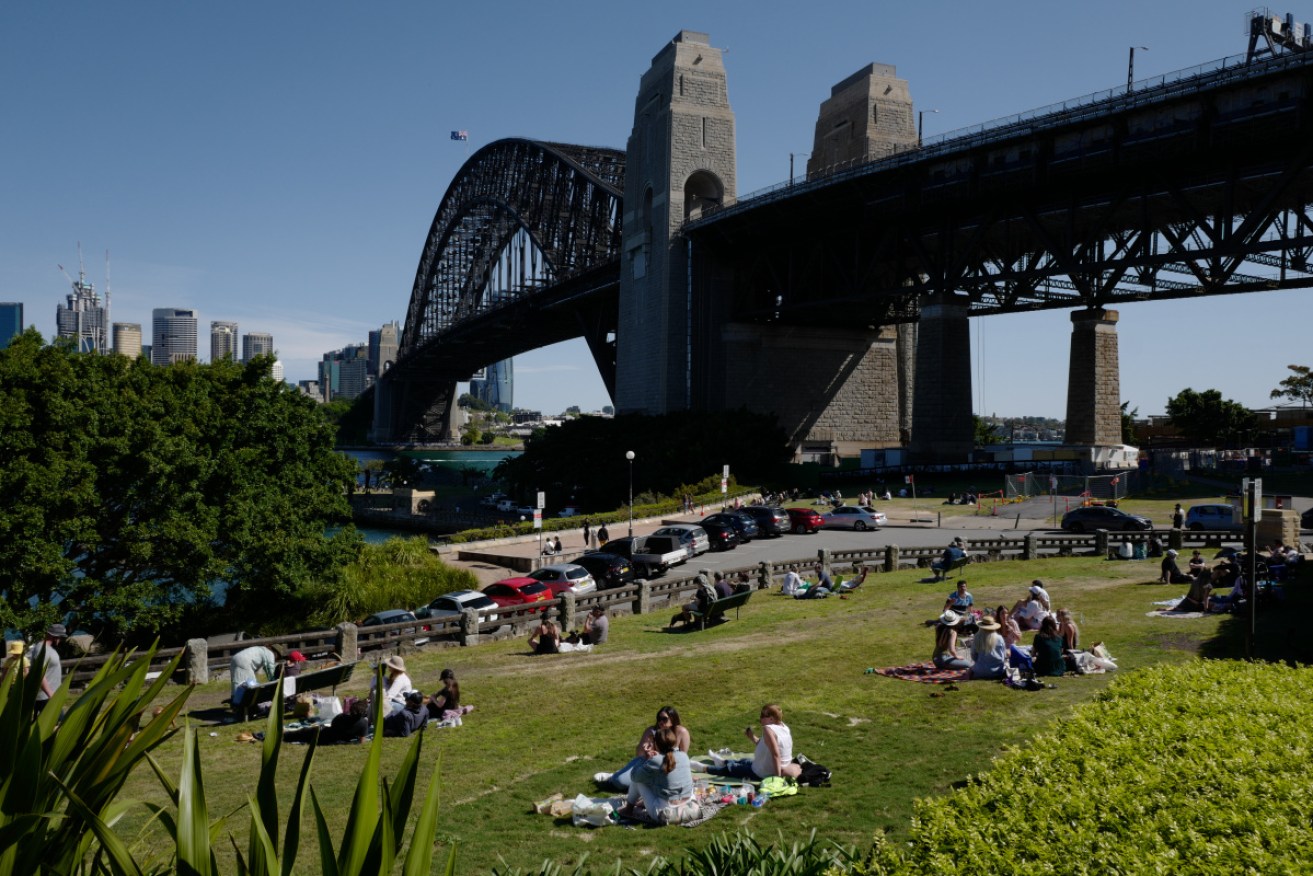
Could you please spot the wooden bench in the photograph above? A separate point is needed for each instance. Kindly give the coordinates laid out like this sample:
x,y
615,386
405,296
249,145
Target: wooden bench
x,y
716,610
329,677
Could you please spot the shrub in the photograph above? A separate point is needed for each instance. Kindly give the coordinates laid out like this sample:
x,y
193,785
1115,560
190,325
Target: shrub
x,y
399,573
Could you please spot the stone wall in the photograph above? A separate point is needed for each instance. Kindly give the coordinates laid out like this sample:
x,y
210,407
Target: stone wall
x,y
1093,380
942,425
867,116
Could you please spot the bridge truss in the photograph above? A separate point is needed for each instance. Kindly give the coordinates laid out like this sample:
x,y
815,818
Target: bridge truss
x,y
523,252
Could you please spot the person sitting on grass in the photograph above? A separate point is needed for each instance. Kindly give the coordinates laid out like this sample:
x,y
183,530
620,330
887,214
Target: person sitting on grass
x,y
445,704
849,586
667,718
1200,595
1030,612
406,720
792,582
960,600
1198,563
662,787
1046,652
545,638
773,753
350,726
1008,628
989,651
1068,630
1171,573
945,655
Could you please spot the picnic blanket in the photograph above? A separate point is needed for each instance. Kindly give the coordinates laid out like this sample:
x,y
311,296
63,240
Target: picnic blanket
x,y
926,673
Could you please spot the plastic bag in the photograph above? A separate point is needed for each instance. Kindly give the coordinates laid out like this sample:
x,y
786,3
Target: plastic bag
x,y
329,708
587,812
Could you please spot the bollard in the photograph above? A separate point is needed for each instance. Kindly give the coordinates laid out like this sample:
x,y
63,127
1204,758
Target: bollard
x,y
198,661
1031,549
347,645
643,600
823,557
469,627
765,571
1101,542
567,611
891,558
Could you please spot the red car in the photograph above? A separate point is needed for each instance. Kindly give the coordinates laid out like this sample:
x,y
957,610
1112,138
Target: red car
x,y
804,520
514,592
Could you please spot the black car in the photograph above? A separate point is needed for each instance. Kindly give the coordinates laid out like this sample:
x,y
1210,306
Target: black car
x,y
608,570
1306,519
1102,517
744,526
770,521
723,536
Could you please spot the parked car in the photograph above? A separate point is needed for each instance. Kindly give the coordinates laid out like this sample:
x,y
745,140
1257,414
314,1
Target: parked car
x,y
853,517
690,535
723,536
608,570
650,555
770,521
515,592
744,526
1094,517
569,511
1214,517
449,606
1306,519
561,577
395,616
805,520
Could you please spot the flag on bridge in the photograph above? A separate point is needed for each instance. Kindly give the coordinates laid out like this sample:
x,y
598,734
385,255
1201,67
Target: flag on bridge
x,y
460,135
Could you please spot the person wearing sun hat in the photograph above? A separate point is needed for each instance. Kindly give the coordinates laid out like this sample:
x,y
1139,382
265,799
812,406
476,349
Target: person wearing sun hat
x,y
946,656
396,684
989,650
14,655
46,654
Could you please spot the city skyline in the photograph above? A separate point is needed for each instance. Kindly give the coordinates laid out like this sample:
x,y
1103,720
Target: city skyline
x,y
215,189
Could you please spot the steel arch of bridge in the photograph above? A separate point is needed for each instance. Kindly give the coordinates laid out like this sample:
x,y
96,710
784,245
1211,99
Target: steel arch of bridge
x,y
566,198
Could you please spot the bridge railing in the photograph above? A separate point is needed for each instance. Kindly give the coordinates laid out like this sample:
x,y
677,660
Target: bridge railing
x,y
1144,92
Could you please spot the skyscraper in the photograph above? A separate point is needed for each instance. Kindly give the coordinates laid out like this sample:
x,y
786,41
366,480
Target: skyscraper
x,y
223,341
82,319
11,321
344,373
383,348
173,338
497,389
257,344
127,339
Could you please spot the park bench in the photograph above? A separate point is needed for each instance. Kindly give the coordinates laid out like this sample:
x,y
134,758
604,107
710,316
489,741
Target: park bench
x,y
954,567
716,610
320,679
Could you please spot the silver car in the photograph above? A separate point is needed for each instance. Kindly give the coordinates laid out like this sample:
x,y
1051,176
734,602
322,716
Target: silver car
x,y
565,576
851,517
690,535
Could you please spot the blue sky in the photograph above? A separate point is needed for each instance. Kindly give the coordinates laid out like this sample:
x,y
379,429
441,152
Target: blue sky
x,y
278,164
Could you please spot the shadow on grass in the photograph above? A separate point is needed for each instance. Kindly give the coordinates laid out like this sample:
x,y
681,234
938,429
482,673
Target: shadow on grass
x,y
1280,630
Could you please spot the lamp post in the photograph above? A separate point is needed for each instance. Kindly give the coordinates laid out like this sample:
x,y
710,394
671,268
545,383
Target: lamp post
x,y
920,125
1130,67
629,455
800,155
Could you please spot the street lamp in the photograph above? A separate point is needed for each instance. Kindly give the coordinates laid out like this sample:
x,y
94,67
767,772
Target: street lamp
x,y
800,155
629,455
1130,67
920,124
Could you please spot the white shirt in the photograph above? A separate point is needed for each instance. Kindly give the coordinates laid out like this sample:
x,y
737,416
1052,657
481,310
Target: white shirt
x,y
763,764
792,581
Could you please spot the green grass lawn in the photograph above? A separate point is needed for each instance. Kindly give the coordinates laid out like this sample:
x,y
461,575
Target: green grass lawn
x,y
546,724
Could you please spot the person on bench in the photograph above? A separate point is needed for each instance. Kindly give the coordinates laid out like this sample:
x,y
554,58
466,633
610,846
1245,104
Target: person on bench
x,y
952,555
702,599
250,663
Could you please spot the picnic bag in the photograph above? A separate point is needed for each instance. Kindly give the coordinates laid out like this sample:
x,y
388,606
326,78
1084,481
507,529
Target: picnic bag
x,y
813,774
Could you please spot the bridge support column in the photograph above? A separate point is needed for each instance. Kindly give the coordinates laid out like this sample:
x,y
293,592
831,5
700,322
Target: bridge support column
x,y
1093,380
827,387
942,427
414,409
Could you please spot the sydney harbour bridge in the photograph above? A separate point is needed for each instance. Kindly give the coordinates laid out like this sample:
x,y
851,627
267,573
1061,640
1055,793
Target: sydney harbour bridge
x,y
840,302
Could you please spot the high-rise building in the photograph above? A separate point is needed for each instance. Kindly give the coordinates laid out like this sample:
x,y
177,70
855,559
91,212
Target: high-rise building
x,y
173,337
257,344
223,340
127,339
276,372
344,373
11,321
82,319
497,388
383,348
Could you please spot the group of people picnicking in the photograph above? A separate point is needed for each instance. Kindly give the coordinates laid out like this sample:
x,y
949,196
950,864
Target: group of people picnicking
x,y
658,780
821,586
1228,570
994,645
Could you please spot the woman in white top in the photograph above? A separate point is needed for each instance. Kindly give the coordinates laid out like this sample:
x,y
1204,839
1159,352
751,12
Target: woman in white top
x,y
774,750
396,684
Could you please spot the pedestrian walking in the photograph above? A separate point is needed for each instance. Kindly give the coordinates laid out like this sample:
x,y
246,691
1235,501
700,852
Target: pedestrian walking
x,y
1178,517
588,534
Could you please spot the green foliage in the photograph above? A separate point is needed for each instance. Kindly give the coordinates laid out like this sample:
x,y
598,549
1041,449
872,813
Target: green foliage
x,y
1298,386
1209,419
353,417
1201,763
60,781
1128,423
399,573
472,435
585,457
985,433
127,491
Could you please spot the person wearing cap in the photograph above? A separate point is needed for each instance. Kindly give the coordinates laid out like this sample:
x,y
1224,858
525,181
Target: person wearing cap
x,y
46,654
295,664
946,656
246,667
1171,573
1029,613
445,704
989,651
396,684
960,600
14,656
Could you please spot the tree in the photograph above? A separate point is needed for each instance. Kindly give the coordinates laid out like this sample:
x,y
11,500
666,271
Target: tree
x,y
1207,418
131,494
1128,423
985,432
1298,386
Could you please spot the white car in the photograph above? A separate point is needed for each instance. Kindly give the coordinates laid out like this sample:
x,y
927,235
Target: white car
x,y
851,517
449,606
563,577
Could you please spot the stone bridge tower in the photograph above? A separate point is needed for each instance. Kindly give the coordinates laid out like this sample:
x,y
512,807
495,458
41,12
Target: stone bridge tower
x,y
681,158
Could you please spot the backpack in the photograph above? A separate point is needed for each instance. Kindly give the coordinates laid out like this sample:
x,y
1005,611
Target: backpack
x,y
813,774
